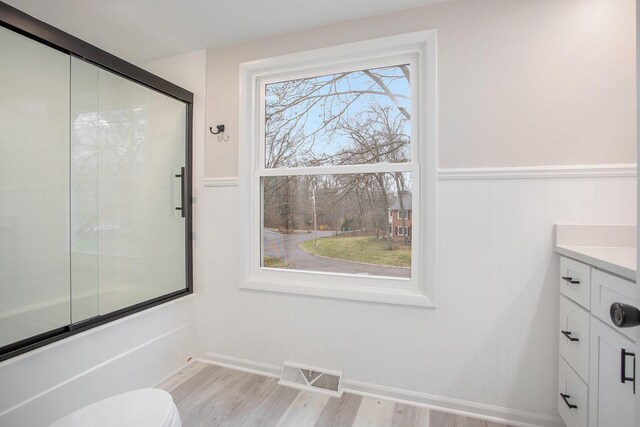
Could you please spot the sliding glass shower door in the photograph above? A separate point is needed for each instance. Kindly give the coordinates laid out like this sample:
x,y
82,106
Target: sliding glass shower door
x,y
34,188
127,154
94,193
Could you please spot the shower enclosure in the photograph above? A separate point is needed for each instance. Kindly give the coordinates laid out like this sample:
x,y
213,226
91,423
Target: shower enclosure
x,y
95,179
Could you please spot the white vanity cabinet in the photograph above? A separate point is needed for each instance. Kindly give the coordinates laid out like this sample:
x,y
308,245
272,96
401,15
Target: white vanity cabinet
x,y
611,402
597,364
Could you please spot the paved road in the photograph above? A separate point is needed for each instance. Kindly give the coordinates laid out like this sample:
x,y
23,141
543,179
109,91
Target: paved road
x,y
285,246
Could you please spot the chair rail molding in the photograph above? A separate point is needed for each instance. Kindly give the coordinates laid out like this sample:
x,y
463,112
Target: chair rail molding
x,y
520,172
223,181
537,172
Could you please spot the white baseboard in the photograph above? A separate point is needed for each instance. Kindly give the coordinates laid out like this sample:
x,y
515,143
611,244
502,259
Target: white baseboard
x,y
243,365
483,411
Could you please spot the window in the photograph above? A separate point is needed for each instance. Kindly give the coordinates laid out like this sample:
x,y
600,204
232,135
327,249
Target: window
x,y
400,232
404,215
332,140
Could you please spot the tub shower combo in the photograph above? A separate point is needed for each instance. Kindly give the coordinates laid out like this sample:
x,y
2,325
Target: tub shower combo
x,y
95,183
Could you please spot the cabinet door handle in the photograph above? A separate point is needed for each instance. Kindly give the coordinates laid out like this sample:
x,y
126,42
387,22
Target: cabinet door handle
x,y
568,335
570,280
566,397
623,368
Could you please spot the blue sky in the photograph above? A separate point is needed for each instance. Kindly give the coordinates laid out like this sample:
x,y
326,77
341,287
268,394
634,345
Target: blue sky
x,y
326,142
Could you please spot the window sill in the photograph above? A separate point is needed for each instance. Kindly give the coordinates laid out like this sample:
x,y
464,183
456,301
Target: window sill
x,y
406,297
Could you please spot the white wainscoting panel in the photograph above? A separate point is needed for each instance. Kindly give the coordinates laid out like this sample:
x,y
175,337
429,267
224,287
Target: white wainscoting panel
x,y
492,340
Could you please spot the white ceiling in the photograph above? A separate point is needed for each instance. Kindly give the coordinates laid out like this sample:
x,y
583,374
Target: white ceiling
x,y
142,30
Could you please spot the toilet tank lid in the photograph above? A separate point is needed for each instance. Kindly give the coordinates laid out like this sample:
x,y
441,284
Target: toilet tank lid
x,y
147,407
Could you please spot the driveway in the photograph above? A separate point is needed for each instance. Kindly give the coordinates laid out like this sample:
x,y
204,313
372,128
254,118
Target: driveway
x,y
285,246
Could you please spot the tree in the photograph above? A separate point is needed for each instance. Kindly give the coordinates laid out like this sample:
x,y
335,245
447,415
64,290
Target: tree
x,y
377,137
350,118
302,113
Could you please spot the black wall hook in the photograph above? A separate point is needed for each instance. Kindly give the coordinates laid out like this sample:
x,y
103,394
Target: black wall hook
x,y
219,127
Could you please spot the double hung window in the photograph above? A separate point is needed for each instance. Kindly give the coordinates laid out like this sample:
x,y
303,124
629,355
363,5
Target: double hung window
x,y
331,140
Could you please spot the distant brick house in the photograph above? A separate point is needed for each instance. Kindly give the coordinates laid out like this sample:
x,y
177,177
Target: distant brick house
x,y
396,228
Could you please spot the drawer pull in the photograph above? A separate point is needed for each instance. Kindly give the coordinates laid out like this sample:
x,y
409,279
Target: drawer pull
x,y
566,397
568,335
570,280
623,368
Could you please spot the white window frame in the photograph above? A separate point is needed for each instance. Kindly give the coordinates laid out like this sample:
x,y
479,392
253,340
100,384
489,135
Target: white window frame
x,y
419,50
399,230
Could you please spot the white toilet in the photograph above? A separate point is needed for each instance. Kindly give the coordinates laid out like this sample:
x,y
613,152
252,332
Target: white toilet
x,y
147,407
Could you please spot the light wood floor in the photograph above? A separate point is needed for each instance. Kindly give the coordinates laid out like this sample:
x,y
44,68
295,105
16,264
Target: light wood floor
x,y
208,395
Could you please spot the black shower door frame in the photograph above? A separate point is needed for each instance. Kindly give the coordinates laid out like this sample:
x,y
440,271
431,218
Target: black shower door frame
x,y
22,23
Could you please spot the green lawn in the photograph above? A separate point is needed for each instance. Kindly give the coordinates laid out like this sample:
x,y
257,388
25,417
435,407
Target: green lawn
x,y
274,262
361,249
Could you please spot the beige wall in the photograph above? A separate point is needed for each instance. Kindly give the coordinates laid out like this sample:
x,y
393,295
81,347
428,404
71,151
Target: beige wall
x,y
521,82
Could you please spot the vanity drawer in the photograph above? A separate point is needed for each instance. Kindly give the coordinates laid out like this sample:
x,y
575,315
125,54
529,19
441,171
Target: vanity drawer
x,y
575,281
572,391
607,289
573,333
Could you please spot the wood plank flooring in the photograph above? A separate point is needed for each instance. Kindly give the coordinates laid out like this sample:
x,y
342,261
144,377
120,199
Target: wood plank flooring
x,y
208,395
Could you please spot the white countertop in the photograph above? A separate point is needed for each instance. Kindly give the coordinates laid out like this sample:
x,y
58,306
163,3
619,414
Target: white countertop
x,y
607,247
617,260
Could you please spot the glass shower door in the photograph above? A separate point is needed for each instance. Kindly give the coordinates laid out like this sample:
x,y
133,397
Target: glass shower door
x,y
129,148
94,187
34,188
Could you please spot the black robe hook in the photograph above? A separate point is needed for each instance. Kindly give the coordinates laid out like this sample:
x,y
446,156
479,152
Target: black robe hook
x,y
219,127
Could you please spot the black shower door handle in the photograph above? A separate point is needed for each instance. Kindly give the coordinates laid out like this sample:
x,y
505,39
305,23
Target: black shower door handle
x,y
183,192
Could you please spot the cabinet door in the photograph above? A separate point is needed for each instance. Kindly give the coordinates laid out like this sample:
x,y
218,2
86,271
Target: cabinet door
x,y
611,401
607,289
